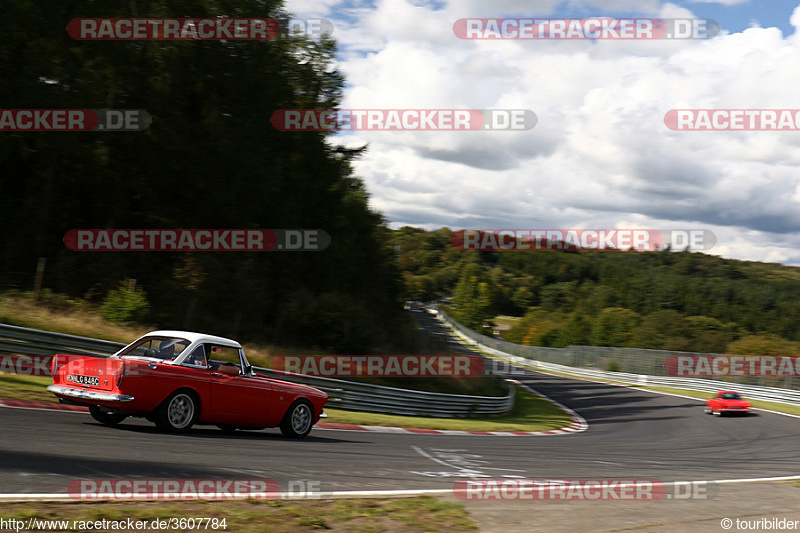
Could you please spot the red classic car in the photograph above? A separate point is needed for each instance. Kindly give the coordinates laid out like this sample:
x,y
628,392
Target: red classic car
x,y
727,401
177,378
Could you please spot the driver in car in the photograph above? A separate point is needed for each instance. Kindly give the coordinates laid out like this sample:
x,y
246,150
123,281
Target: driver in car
x,y
166,350
197,357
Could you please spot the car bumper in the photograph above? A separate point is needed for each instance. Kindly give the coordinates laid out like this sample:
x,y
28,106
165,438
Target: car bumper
x,y
83,394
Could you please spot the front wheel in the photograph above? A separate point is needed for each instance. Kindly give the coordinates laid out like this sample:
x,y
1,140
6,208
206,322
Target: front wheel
x,y
298,420
106,416
178,412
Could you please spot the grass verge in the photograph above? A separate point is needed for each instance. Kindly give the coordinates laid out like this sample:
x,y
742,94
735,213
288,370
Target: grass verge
x,y
424,513
530,413
17,387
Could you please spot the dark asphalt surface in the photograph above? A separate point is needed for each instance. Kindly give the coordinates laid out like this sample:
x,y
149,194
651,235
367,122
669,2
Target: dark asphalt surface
x,y
632,434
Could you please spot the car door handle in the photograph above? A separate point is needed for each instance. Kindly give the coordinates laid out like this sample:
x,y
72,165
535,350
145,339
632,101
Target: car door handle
x,y
217,374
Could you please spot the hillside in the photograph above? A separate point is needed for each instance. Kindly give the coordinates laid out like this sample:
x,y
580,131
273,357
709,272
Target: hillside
x,y
659,300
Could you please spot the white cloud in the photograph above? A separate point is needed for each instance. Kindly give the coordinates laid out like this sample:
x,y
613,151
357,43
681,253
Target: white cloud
x,y
600,155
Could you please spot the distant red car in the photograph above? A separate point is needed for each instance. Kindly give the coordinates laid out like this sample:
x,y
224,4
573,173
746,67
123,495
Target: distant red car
x,y
727,401
177,378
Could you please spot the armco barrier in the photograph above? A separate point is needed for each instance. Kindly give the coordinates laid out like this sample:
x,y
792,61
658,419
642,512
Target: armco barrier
x,y
343,394
498,349
379,399
631,360
26,341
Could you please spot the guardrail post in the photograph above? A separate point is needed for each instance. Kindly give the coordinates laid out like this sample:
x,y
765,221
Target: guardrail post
x,y
37,282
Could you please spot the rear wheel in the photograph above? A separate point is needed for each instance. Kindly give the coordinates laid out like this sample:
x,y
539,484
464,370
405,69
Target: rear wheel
x,y
178,412
298,420
106,416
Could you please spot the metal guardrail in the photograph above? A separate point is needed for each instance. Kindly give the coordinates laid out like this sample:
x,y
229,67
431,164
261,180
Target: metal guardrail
x,y
381,399
631,360
26,341
342,394
754,392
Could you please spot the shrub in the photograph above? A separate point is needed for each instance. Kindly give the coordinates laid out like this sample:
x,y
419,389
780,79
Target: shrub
x,y
125,304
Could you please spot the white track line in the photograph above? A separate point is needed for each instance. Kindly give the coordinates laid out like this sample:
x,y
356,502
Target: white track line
x,y
397,493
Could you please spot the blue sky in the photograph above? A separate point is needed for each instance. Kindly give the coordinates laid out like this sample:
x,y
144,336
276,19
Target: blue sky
x,y
736,18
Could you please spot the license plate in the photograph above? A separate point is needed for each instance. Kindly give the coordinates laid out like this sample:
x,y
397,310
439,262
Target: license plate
x,y
86,380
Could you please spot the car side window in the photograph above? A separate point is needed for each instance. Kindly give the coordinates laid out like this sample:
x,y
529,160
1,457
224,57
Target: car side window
x,y
224,354
224,359
198,356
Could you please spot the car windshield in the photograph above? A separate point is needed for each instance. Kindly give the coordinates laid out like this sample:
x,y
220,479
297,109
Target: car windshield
x,y
158,347
731,396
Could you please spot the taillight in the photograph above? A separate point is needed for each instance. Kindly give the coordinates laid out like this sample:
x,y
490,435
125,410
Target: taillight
x,y
120,373
53,369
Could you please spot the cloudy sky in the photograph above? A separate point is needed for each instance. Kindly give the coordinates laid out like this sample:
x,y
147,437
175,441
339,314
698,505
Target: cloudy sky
x,y
600,155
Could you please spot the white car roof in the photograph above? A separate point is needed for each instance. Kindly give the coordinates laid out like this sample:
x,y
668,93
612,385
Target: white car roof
x,y
193,337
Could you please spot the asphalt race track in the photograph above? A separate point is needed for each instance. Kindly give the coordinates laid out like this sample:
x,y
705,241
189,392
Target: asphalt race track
x,y
632,435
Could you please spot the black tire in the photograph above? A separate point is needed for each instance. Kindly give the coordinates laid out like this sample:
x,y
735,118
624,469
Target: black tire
x,y
106,416
178,412
298,420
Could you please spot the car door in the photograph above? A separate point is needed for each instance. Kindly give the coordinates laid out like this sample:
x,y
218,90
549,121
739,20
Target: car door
x,y
237,399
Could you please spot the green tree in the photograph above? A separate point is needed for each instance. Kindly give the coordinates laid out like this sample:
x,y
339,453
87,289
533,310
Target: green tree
x,y
763,345
473,297
125,303
614,326
577,332
210,159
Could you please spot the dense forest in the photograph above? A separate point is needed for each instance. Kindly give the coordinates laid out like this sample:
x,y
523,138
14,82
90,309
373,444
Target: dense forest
x,y
210,159
667,300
